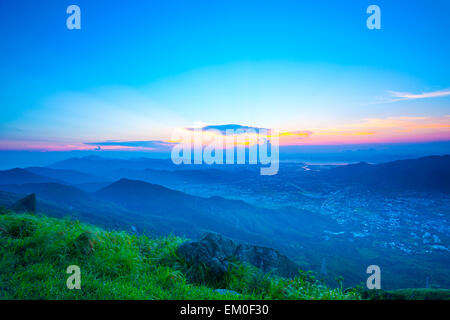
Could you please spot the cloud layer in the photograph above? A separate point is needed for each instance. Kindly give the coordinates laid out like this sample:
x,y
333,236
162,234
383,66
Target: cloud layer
x,y
411,96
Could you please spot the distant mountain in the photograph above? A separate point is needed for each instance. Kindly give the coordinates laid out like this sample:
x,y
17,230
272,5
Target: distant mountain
x,y
176,211
177,178
96,165
9,200
63,200
53,192
161,211
153,170
156,199
429,174
68,176
194,215
140,195
21,176
91,186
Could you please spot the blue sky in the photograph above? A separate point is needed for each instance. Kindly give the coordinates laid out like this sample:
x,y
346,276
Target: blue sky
x,y
137,70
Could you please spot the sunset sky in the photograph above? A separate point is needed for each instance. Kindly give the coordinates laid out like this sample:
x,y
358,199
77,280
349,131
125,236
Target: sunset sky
x,y
135,73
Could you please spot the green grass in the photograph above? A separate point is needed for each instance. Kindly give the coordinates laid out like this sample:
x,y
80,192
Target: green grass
x,y
36,250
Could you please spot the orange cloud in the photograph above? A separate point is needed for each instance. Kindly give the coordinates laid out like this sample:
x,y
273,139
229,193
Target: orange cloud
x,y
379,130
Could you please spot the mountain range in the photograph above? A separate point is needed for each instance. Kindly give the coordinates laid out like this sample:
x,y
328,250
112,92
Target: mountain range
x,y
424,174
129,195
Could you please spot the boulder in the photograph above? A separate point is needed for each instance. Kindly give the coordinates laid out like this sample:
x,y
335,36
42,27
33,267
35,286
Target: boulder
x,y
27,204
226,291
217,252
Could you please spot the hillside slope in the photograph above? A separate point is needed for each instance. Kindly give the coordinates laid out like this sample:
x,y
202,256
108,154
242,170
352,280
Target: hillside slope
x,y
36,251
21,176
428,174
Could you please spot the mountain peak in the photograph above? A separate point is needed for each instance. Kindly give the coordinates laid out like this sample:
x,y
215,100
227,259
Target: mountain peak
x,y
138,186
21,176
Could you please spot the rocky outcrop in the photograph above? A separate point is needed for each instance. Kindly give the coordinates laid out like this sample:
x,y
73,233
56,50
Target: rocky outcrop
x,y
217,252
27,204
226,291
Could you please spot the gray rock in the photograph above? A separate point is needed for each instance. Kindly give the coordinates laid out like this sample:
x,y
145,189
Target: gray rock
x,y
226,291
217,252
27,204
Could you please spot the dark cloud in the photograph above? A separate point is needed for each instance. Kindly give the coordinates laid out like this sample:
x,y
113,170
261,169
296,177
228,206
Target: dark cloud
x,y
136,144
224,127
